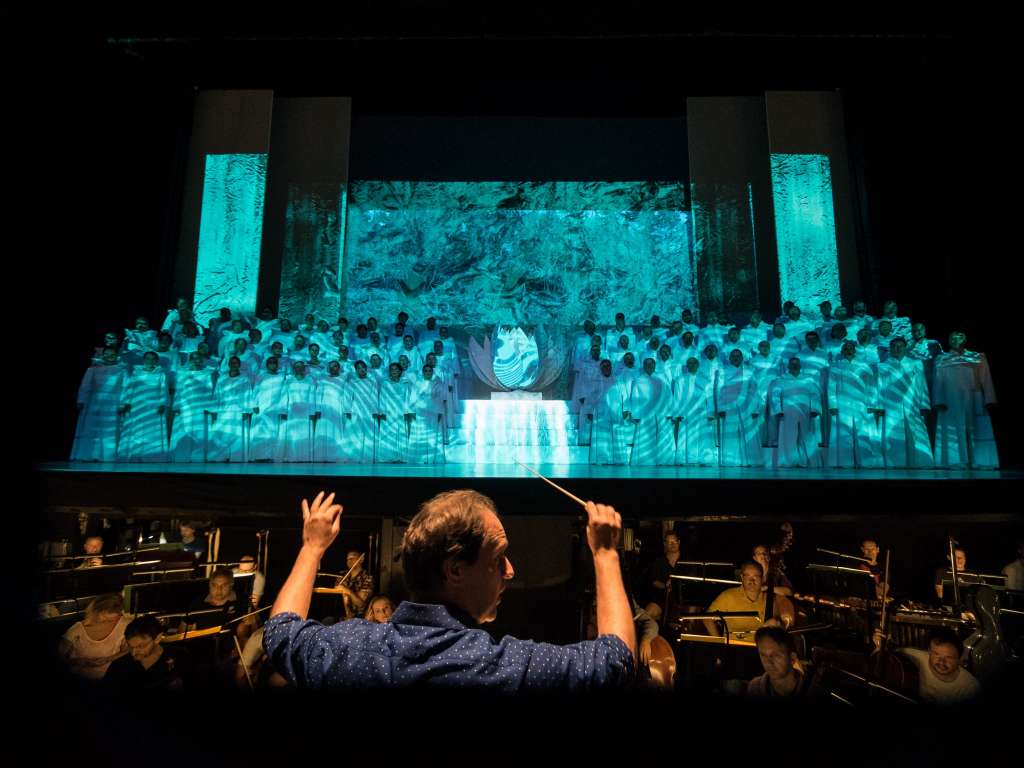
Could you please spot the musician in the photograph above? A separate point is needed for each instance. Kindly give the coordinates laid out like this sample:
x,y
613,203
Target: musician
x,y
645,625
749,597
149,666
254,666
190,542
247,564
781,585
782,678
870,550
1014,572
222,595
942,679
456,568
379,609
93,545
90,645
961,565
357,584
658,574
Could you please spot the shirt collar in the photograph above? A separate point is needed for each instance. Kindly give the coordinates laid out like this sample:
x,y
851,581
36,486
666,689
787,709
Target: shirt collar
x,y
432,615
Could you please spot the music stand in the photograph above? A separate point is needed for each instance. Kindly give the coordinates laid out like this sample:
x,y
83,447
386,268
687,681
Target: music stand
x,y
838,580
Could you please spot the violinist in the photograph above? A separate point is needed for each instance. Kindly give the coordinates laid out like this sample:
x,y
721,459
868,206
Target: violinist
x,y
222,595
870,550
356,585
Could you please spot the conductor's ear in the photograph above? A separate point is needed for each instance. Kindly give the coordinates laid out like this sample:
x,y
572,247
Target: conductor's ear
x,y
454,571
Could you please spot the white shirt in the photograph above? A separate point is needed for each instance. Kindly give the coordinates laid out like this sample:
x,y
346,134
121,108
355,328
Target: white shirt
x,y
1014,574
964,687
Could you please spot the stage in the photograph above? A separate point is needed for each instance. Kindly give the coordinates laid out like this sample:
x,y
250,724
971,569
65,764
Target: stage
x,y
389,490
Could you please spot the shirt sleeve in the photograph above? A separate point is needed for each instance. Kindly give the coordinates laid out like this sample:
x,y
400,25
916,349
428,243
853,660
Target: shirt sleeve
x,y
605,662
297,650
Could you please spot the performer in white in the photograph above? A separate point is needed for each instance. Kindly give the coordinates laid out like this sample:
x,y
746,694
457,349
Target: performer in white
x,y
693,410
99,399
900,325
649,405
331,394
232,413
852,395
193,401
867,352
361,409
739,411
393,443
614,334
144,402
269,413
300,396
754,333
612,427
426,406
795,402
902,400
963,397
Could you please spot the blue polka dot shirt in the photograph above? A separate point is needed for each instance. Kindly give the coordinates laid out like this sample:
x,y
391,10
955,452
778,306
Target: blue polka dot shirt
x,y
435,645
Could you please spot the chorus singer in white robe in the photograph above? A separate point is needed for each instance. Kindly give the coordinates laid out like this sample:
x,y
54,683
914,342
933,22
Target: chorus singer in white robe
x,y
426,407
963,396
232,413
795,403
739,414
144,402
903,402
693,410
613,428
193,402
393,443
269,413
361,409
300,396
614,335
99,399
591,397
650,401
329,441
754,333
851,397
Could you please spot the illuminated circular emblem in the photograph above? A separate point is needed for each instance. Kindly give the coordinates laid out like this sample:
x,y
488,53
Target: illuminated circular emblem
x,y
516,360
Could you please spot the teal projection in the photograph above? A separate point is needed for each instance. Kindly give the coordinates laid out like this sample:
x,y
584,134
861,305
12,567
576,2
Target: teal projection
x,y
550,253
805,229
230,232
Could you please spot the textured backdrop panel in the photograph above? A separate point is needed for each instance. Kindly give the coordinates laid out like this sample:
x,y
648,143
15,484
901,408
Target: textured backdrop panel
x,y
311,263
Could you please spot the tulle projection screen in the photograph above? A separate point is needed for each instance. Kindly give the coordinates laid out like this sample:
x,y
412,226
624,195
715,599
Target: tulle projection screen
x,y
520,253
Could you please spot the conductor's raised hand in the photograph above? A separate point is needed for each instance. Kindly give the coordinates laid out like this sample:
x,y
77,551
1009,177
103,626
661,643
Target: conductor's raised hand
x,y
604,528
321,522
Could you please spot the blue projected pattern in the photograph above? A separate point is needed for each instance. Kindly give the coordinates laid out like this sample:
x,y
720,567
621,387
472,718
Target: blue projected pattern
x,y
311,264
230,232
518,252
805,229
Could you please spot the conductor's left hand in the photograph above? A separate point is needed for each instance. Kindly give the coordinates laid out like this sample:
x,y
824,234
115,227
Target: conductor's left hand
x,y
321,522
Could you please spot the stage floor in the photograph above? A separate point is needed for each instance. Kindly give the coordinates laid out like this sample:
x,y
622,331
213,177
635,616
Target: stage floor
x,y
514,471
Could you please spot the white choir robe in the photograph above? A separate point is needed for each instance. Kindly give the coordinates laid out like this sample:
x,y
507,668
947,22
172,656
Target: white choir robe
x,y
426,403
587,372
854,324
415,362
739,430
903,395
796,398
927,351
316,371
642,350
189,427
595,389
144,431
815,363
360,430
683,353
357,350
868,354
751,337
99,396
186,346
425,341
882,346
765,372
449,389
169,363
650,400
714,334
234,402
610,435
692,405
300,395
140,341
393,348
393,443
226,343
798,329
331,397
265,442
853,436
252,364
621,372
963,434
172,319
612,335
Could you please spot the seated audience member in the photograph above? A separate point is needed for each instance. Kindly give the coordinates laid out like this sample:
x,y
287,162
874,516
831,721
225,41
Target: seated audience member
x,y
221,595
749,597
782,678
247,564
358,586
379,609
149,666
90,645
942,680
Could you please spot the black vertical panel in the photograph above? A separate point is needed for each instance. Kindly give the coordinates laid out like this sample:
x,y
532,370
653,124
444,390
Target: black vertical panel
x,y
309,145
224,122
737,264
